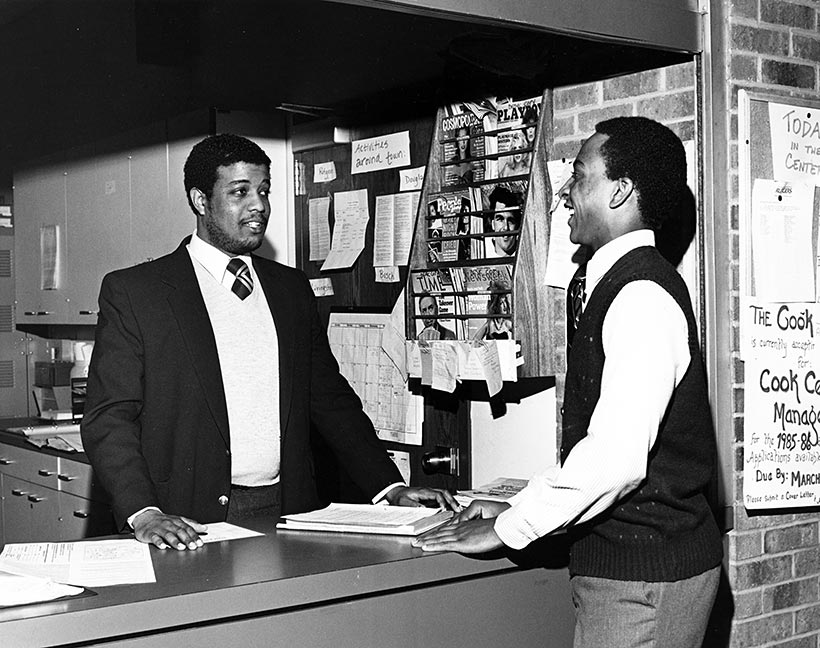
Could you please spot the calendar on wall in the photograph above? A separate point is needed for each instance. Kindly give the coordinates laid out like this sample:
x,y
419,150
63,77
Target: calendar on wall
x,y
356,342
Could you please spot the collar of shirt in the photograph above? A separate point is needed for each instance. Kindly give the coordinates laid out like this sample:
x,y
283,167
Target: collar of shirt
x,y
215,261
607,255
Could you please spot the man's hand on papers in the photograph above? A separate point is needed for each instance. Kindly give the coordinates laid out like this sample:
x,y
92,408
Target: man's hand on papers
x,y
471,531
417,496
168,531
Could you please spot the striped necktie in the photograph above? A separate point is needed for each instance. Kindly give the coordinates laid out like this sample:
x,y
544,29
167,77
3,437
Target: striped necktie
x,y
243,285
575,301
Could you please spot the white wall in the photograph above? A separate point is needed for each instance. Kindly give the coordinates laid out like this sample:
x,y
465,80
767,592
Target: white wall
x,y
517,445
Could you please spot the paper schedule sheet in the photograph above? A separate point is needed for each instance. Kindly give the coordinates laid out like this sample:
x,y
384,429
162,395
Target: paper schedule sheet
x,y
90,564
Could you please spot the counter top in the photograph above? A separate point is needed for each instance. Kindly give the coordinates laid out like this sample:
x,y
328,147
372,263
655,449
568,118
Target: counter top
x,y
19,440
265,575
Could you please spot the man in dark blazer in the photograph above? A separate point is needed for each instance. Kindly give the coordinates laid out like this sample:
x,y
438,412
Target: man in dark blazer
x,y
179,360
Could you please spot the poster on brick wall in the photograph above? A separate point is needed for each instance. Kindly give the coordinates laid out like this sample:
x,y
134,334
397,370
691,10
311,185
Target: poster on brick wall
x,y
781,352
795,133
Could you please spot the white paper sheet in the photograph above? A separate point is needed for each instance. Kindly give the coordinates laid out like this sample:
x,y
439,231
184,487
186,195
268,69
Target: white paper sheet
x,y
222,531
393,236
319,228
560,267
351,215
16,589
783,260
87,563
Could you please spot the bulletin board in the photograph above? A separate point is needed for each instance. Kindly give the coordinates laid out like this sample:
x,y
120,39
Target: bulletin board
x,y
326,173
779,204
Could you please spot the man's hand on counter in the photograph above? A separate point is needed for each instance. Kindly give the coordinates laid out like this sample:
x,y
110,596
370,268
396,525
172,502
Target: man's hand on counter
x,y
418,496
471,531
168,531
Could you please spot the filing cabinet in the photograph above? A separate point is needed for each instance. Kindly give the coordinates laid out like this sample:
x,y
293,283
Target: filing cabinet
x,y
46,498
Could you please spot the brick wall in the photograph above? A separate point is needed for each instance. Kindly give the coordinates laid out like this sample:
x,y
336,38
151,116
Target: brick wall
x,y
665,94
772,47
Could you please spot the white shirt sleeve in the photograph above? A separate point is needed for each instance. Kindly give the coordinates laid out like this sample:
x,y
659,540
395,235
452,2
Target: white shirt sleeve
x,y
645,341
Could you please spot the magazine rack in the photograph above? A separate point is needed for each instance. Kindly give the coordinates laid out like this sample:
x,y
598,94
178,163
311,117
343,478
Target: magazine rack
x,y
455,278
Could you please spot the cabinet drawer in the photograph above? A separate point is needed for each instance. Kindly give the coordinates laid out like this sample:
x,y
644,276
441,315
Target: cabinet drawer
x,y
75,478
30,465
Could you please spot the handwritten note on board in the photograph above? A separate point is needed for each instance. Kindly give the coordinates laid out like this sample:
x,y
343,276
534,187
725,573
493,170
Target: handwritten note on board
x,y
384,152
795,136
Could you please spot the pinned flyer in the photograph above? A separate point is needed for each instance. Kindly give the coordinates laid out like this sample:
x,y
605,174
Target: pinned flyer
x,y
445,366
351,216
490,364
783,258
319,228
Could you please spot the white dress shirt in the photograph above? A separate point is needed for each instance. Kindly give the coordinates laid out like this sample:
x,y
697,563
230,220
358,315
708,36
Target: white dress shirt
x,y
646,348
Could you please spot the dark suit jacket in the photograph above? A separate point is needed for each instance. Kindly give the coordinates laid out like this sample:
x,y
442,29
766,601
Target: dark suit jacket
x,y
156,426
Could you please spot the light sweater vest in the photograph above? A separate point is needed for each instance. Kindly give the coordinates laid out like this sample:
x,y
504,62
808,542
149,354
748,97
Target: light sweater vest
x,y
248,351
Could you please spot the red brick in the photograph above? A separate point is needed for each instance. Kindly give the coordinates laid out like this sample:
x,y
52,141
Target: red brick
x,y
806,47
668,107
744,8
789,538
587,120
632,85
792,594
748,604
744,67
758,632
807,562
746,545
563,126
788,74
789,14
762,41
680,76
575,97
807,620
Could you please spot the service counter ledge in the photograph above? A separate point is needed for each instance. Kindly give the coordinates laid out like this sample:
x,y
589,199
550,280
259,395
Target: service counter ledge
x,y
296,588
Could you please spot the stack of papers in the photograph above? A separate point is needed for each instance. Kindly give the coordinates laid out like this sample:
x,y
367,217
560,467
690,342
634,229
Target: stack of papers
x,y
498,490
368,518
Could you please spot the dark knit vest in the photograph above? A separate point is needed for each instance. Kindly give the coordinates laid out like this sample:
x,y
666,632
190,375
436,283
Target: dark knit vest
x,y
664,530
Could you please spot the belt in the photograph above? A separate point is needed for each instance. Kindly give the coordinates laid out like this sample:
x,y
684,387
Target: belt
x,y
246,488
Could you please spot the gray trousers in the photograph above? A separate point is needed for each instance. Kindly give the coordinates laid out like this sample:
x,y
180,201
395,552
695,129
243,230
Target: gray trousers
x,y
636,614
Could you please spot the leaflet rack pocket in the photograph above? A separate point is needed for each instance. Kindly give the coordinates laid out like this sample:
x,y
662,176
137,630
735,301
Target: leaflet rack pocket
x,y
473,278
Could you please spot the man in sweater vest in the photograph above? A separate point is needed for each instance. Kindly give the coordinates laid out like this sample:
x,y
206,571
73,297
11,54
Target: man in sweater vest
x,y
638,446
210,369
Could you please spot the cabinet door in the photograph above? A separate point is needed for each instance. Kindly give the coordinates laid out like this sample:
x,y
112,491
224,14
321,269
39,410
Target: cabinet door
x,y
81,518
40,245
16,510
160,216
30,512
98,234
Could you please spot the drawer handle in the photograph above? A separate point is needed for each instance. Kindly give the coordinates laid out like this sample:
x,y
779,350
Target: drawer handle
x,y
5,462
35,498
88,312
67,478
37,313
45,473
80,514
18,493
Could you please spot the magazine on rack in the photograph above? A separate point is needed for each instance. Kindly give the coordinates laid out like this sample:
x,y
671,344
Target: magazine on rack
x,y
464,144
517,127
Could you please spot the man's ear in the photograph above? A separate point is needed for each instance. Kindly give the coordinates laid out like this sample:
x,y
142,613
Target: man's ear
x,y
199,200
624,188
